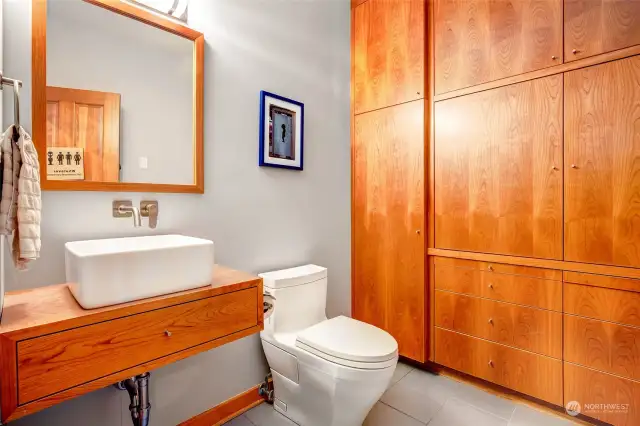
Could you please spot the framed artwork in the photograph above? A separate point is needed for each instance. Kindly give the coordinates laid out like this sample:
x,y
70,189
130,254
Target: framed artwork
x,y
281,132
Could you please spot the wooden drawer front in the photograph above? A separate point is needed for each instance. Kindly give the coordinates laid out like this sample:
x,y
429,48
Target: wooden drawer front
x,y
602,303
523,290
604,346
535,330
531,374
499,268
593,387
62,360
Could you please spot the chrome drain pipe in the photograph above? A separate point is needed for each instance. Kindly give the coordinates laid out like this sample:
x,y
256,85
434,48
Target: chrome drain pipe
x,y
138,389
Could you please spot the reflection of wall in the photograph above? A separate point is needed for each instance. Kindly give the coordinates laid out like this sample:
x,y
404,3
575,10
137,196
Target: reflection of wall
x,y
259,218
94,49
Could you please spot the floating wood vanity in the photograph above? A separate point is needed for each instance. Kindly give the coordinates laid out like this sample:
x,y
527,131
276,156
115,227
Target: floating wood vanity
x,y
52,350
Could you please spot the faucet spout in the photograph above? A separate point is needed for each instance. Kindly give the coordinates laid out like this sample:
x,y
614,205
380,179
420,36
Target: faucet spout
x,y
137,218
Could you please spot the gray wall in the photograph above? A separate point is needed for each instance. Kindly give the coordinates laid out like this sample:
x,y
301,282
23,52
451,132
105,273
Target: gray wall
x,y
91,48
259,218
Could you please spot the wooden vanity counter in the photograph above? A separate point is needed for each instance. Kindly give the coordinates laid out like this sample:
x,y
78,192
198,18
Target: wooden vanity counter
x,y
51,349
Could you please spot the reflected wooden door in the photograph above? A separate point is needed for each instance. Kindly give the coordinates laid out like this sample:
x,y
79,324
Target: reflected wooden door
x,y
90,120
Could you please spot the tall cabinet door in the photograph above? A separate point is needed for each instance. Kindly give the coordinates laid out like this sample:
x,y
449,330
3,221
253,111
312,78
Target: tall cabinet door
x,y
388,53
602,163
498,170
597,26
388,219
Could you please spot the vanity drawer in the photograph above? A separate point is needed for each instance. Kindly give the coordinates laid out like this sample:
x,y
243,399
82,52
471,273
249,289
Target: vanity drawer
x,y
59,361
593,387
604,346
535,375
532,329
605,304
520,289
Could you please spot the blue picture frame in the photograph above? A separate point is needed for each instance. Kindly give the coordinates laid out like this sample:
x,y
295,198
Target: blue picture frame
x,y
263,120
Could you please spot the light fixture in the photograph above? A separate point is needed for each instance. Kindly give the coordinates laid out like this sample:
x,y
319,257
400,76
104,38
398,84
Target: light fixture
x,y
174,8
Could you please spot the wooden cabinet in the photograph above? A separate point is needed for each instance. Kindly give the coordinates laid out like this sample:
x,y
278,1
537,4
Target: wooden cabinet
x,y
506,283
526,372
57,361
478,41
388,53
602,163
498,170
597,26
52,350
603,396
388,222
535,330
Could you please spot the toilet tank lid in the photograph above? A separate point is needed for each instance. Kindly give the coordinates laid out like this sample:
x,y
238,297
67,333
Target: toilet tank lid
x,y
293,276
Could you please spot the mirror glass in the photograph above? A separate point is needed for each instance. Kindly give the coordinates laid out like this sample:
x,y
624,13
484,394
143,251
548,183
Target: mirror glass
x,y
120,98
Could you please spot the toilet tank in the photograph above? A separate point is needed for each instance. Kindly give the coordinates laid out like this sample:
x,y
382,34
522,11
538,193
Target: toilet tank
x,y
301,296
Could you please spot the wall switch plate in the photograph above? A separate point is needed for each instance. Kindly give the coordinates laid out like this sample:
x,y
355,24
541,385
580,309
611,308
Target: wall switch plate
x,y
143,163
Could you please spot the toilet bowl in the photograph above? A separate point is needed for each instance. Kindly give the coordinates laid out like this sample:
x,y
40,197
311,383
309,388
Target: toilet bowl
x,y
326,372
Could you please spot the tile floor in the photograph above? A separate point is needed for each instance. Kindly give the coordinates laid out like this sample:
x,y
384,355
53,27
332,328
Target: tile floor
x,y
418,398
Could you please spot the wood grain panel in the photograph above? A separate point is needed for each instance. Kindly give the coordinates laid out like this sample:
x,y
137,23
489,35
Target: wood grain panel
x,y
388,218
498,175
535,330
546,294
605,281
602,396
59,361
227,410
592,27
478,41
602,346
622,307
602,164
50,309
388,53
90,120
535,375
500,268
57,398
558,265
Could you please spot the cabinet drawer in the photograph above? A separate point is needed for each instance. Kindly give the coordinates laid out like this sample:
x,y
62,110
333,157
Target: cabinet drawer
x,y
531,374
593,387
602,303
532,329
604,346
62,360
520,289
499,268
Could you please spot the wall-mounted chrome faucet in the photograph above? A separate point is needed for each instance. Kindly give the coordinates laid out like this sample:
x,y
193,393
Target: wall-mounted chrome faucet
x,y
148,208
124,208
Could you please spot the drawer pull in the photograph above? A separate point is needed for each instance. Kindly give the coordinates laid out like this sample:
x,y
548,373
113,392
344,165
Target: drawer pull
x,y
490,321
490,363
490,286
490,268
167,333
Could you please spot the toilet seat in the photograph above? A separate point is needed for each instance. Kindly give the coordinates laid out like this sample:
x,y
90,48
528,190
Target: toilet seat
x,y
348,342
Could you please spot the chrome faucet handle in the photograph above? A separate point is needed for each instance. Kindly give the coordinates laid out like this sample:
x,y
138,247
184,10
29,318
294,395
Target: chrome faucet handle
x,y
149,208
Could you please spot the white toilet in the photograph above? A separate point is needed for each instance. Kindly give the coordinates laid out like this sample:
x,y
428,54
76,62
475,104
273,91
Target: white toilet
x,y
325,372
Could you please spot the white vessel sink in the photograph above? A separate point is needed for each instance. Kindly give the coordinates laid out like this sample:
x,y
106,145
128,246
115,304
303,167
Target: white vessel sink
x,y
118,270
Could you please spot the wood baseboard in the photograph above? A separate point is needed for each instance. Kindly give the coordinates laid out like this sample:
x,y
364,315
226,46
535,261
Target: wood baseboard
x,y
227,410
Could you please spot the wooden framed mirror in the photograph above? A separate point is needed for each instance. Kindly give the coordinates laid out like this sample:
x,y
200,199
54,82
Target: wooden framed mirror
x,y
117,98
